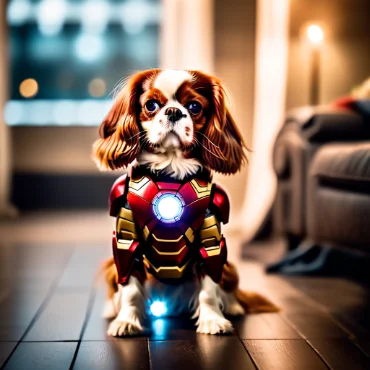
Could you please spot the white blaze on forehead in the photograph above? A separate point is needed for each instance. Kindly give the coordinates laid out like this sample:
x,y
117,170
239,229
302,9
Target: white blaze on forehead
x,y
169,80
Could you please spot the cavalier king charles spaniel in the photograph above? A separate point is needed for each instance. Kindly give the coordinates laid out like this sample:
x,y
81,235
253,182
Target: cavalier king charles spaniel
x,y
176,124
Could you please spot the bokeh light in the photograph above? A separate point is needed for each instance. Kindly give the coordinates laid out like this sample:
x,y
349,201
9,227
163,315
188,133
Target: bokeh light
x,y
97,87
315,34
51,16
89,48
95,15
28,88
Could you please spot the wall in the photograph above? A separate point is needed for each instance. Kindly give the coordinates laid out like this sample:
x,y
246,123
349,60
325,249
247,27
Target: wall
x,y
345,58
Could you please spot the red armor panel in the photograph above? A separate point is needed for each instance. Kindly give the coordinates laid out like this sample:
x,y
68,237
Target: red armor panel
x,y
167,247
221,201
212,265
124,259
117,192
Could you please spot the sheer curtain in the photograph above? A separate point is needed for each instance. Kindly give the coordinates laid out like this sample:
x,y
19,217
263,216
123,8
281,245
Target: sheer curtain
x,y
269,107
5,157
186,40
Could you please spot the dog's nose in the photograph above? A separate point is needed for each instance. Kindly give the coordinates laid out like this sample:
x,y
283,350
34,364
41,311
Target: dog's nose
x,y
174,114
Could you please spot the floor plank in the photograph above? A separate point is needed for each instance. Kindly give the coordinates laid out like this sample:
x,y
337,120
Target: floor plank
x,y
315,326
96,326
341,354
42,356
265,326
114,354
364,345
352,325
17,312
5,350
283,355
62,319
206,353
83,267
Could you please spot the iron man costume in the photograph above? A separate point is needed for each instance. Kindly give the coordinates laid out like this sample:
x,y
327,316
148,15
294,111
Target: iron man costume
x,y
168,225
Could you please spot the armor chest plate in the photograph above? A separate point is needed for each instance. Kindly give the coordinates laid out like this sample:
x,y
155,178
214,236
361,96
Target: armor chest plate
x,y
168,215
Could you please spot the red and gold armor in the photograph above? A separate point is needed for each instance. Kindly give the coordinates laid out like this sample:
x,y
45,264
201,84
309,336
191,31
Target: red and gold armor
x,y
169,246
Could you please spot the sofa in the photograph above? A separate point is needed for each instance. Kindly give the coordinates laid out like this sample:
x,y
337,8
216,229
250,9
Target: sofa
x,y
322,205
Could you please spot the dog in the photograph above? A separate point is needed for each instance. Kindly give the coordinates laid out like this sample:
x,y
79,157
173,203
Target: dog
x,y
171,129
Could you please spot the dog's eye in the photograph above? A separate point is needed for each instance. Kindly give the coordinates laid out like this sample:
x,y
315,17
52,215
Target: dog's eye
x,y
151,105
194,107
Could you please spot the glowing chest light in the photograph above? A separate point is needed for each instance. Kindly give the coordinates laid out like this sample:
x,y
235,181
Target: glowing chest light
x,y
168,207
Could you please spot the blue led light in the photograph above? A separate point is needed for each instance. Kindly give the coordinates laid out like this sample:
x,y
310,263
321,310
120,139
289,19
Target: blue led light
x,y
168,207
158,308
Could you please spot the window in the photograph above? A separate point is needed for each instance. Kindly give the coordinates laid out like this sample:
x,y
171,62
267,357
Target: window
x,y
66,56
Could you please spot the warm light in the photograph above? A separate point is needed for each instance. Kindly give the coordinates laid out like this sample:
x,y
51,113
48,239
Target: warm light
x,y
89,47
97,87
28,88
158,308
168,207
315,34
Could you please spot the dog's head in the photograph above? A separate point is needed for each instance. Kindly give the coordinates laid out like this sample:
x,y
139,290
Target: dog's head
x,y
181,112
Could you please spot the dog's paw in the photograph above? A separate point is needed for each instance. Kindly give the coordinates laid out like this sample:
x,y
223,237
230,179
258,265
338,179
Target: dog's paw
x,y
118,328
218,325
109,312
232,306
234,309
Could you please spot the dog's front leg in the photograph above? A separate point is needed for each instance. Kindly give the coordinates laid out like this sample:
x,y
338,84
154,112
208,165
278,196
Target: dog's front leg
x,y
130,305
210,317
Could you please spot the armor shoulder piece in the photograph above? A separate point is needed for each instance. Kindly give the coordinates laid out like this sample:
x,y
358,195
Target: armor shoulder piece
x,y
118,191
220,201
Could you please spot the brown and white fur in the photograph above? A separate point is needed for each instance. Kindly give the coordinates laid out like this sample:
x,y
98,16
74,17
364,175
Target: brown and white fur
x,y
138,130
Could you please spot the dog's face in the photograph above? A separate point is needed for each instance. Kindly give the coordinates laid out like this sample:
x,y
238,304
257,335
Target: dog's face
x,y
160,111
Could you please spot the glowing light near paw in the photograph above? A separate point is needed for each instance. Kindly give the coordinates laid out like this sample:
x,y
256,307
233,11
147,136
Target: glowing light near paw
x,y
158,309
168,207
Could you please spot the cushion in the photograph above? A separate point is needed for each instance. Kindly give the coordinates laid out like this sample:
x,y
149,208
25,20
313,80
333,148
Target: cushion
x,y
343,163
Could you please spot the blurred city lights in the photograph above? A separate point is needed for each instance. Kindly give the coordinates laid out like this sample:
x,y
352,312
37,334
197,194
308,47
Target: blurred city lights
x,y
315,34
87,113
95,16
18,12
97,87
14,113
39,113
51,16
56,112
64,112
89,47
135,15
28,88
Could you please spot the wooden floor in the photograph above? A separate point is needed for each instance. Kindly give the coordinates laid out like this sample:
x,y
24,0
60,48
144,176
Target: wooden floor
x,y
50,308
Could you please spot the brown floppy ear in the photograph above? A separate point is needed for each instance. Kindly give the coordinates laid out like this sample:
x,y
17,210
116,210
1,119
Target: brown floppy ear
x,y
120,133
223,147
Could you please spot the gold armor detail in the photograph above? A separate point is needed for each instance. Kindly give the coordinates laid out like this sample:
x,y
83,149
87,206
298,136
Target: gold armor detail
x,y
167,272
124,224
201,191
210,235
146,232
190,234
125,229
136,185
124,244
169,253
126,214
167,240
